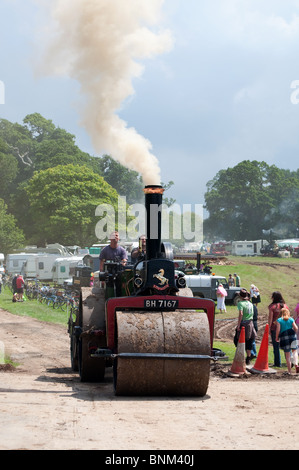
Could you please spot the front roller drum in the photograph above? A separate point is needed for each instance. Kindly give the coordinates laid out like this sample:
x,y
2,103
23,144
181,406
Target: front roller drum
x,y
172,343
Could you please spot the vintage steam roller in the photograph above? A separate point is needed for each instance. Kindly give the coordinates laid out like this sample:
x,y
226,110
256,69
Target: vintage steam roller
x,y
143,321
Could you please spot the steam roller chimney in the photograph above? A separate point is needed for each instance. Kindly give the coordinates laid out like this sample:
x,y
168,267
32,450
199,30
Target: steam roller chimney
x,y
153,207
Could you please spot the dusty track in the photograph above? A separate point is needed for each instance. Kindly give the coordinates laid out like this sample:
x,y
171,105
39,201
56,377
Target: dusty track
x,y
43,405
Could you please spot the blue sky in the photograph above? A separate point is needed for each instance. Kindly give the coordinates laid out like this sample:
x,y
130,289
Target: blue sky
x,y
221,95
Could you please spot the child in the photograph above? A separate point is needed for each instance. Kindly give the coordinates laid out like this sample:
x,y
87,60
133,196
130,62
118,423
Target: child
x,y
286,336
297,323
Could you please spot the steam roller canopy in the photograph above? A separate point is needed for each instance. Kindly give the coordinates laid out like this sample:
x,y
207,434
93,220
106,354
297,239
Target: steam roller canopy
x,y
167,339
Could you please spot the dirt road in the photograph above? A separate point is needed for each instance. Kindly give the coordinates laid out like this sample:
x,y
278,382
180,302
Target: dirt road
x,y
43,405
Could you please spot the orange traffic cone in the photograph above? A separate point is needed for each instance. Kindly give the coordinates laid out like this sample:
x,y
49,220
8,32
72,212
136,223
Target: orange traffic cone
x,y
261,365
239,366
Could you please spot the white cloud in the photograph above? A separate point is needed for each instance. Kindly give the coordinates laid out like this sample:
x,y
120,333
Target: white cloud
x,y
221,95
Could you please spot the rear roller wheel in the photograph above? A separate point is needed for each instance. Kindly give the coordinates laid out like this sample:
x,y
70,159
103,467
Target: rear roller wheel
x,y
91,318
176,333
74,353
91,369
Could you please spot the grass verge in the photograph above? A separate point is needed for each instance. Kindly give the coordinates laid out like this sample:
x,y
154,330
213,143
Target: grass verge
x,y
32,308
229,349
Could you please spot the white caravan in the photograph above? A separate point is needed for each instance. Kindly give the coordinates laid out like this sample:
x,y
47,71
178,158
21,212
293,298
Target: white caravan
x,y
247,248
39,266
15,262
63,268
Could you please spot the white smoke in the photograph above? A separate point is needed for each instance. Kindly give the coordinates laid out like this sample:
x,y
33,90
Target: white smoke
x,y
99,43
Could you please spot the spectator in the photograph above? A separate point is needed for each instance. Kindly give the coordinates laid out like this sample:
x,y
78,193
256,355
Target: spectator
x,y
297,323
221,294
245,319
274,313
231,281
255,317
14,284
237,280
255,294
286,337
20,288
1,282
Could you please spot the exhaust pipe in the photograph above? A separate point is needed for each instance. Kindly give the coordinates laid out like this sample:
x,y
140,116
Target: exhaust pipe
x,y
153,207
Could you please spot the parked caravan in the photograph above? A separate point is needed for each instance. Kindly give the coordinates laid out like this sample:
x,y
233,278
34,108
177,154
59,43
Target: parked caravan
x,y
39,266
15,262
247,248
92,261
53,248
64,268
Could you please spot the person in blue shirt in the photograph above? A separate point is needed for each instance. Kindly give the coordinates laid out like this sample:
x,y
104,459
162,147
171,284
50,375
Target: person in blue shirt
x,y
286,336
113,252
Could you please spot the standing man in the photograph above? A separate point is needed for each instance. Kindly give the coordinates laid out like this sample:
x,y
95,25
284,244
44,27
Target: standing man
x,y
20,288
238,280
231,281
113,252
139,253
246,312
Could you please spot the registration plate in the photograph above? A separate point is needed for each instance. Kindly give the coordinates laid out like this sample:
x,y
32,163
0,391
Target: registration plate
x,y
161,303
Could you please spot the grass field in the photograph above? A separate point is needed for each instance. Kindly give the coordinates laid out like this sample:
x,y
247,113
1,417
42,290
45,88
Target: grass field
x,y
31,308
268,274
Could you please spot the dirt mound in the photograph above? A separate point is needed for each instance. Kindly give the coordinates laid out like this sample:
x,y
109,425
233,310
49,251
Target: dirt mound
x,y
7,368
224,330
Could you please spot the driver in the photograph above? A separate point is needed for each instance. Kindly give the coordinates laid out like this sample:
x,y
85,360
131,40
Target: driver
x,y
113,252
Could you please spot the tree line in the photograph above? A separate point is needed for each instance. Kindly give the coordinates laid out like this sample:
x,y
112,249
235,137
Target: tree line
x,y
251,200
49,190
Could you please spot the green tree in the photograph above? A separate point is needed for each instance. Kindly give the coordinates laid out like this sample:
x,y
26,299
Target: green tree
x,y
63,200
9,169
245,200
38,126
168,201
55,146
11,236
126,182
18,144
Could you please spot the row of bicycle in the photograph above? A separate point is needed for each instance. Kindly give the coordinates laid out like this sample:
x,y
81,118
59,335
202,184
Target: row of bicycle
x,y
53,297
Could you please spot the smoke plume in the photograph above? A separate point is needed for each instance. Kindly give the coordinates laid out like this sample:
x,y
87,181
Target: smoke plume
x,y
99,43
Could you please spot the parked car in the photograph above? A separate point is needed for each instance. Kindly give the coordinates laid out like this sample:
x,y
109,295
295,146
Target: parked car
x,y
205,286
